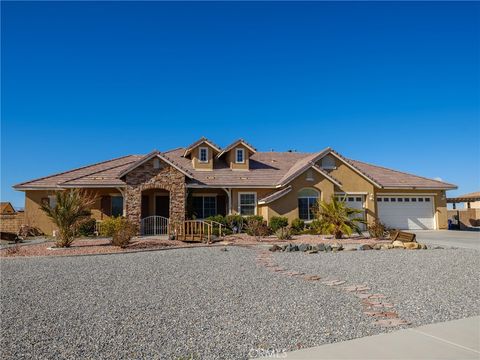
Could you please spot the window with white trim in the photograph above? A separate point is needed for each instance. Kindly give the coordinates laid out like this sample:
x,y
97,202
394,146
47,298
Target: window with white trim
x,y
204,206
240,156
203,154
247,203
307,200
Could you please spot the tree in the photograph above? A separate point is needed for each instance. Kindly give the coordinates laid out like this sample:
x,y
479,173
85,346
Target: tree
x,y
336,218
71,208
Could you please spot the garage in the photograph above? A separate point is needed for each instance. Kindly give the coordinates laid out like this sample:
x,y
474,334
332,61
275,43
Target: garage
x,y
406,212
355,202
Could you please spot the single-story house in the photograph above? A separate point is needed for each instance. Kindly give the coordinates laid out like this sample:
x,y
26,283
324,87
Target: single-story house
x,y
204,179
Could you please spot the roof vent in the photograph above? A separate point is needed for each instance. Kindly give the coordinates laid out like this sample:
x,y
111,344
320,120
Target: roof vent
x,y
243,178
210,177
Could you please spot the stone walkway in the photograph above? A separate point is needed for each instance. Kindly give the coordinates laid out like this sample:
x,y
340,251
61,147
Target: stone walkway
x,y
375,305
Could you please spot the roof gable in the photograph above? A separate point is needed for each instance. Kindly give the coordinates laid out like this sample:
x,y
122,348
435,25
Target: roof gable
x,y
238,142
161,156
202,140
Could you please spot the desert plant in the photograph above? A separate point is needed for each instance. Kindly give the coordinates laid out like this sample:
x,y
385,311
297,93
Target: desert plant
x,y
278,222
72,206
377,229
284,233
234,222
124,232
337,218
257,227
86,227
217,218
110,225
298,225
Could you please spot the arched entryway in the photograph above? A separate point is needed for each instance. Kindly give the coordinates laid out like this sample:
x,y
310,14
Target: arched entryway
x,y
155,202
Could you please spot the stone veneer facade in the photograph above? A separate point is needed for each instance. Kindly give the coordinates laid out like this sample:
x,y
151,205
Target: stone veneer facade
x,y
146,177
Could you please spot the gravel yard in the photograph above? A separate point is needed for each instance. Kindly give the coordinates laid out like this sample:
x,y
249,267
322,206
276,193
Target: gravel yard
x,y
214,304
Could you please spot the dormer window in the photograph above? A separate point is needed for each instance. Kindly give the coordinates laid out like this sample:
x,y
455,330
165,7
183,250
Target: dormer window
x,y
203,154
240,156
328,162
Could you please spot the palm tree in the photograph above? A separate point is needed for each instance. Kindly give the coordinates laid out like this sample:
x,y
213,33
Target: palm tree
x,y
336,218
72,207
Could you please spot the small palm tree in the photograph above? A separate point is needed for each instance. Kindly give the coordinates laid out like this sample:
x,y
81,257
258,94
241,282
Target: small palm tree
x,y
336,218
72,207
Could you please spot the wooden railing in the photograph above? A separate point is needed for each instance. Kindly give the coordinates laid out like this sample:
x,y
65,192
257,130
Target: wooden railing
x,y
195,230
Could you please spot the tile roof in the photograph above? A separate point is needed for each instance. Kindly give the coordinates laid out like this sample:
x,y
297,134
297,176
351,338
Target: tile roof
x,y
267,169
275,195
474,196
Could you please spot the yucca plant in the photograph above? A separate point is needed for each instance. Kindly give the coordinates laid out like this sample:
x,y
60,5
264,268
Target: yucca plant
x,y
72,207
336,218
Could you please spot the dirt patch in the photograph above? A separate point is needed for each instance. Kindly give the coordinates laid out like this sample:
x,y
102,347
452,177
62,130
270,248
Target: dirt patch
x,y
91,246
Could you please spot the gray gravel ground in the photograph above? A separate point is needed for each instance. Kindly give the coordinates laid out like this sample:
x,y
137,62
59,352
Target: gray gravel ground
x,y
213,304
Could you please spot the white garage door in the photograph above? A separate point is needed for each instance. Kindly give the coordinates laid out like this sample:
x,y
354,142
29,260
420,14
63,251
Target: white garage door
x,y
355,202
406,212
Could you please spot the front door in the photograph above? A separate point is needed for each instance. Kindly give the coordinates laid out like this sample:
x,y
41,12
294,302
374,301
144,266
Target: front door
x,y
162,205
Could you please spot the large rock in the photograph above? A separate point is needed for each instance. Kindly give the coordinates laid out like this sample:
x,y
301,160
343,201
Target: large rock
x,y
412,245
303,247
377,246
321,247
337,247
275,248
364,247
328,248
397,244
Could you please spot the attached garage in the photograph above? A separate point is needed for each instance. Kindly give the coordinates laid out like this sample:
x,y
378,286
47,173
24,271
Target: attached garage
x,y
354,201
407,212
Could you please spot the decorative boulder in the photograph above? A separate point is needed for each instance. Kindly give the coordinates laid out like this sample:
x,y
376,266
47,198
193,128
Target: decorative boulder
x,y
328,248
321,247
386,246
424,247
303,247
364,247
377,247
275,248
337,247
398,244
412,245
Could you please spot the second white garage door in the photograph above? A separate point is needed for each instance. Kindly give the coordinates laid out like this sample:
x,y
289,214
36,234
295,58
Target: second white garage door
x,y
406,212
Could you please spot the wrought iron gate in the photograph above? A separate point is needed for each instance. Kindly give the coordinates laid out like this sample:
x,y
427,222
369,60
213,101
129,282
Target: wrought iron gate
x,y
154,225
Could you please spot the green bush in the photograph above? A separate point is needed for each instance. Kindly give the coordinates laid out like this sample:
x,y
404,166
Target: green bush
x,y
110,225
234,221
217,218
298,225
87,227
315,227
124,232
278,222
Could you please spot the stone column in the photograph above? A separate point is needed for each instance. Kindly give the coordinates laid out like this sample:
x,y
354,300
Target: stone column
x,y
133,204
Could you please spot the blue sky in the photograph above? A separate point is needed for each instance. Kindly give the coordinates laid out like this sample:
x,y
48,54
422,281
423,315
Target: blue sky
x,y
395,84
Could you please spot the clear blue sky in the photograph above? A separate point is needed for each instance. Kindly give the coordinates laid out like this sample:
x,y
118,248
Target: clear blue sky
x,y
395,84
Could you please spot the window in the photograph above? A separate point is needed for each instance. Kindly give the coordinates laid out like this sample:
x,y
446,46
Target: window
x,y
420,199
400,199
393,199
240,156
310,175
385,199
358,199
414,199
379,199
203,154
247,203
52,200
204,206
427,199
307,200
407,200
351,199
117,205
328,162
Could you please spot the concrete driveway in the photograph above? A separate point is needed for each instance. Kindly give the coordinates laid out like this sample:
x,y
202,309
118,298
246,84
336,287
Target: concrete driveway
x,y
455,238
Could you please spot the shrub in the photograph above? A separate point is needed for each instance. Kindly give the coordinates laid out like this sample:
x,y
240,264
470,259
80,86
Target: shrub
x,y
217,218
298,225
72,207
278,222
257,227
124,233
234,222
377,229
338,219
109,226
86,227
284,233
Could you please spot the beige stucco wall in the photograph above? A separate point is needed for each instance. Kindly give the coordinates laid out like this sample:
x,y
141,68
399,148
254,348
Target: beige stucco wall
x,y
35,217
230,157
197,164
439,203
